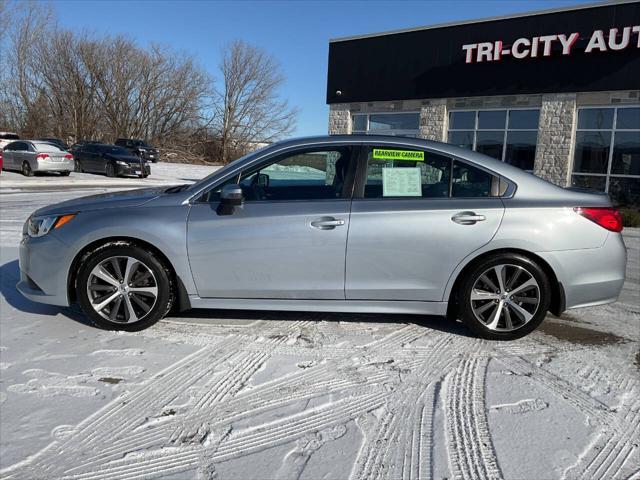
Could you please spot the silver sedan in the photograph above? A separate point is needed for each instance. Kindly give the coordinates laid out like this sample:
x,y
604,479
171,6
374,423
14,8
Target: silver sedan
x,y
29,156
343,223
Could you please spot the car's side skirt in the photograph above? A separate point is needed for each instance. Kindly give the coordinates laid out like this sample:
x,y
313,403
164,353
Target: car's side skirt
x,y
348,306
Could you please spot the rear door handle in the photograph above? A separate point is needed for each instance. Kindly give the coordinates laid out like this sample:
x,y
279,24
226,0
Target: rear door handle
x,y
468,218
326,223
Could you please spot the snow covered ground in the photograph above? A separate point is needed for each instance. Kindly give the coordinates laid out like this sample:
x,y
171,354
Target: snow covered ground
x,y
221,394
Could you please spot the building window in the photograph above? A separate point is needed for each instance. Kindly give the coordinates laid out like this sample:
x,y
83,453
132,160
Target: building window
x,y
508,135
403,124
607,152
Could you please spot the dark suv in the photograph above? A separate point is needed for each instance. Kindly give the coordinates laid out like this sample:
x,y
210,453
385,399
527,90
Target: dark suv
x,y
139,147
109,159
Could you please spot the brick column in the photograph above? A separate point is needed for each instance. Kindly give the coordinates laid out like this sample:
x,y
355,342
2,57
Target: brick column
x,y
555,138
433,120
339,119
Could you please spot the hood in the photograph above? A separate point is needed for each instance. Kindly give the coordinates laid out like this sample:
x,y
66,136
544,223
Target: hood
x,y
128,198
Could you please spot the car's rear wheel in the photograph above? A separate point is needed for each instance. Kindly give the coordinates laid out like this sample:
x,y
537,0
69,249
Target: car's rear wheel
x,y
65,174
124,287
504,297
26,169
110,170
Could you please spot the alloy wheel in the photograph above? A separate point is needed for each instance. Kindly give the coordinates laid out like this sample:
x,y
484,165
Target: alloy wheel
x,y
26,169
505,297
122,289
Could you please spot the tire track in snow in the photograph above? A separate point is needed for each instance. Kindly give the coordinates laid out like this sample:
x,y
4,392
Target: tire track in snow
x,y
612,451
471,451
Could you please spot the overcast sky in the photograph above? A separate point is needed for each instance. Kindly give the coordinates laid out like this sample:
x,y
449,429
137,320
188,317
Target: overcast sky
x,y
296,33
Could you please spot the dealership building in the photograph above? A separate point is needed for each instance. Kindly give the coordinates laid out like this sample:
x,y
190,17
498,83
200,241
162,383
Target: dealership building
x,y
555,92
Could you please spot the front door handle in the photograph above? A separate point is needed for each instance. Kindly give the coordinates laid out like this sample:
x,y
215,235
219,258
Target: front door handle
x,y
468,218
326,223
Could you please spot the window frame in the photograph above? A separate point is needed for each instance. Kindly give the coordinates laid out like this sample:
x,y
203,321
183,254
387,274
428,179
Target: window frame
x,y
508,189
505,130
403,132
202,197
611,131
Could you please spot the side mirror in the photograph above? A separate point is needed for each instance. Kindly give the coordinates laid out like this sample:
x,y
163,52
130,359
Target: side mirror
x,y
230,197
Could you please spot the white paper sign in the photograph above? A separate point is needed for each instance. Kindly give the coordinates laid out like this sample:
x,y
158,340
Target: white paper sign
x,y
401,182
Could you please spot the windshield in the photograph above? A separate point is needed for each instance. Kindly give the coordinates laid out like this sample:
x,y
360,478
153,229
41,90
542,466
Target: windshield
x,y
117,151
9,136
206,179
140,143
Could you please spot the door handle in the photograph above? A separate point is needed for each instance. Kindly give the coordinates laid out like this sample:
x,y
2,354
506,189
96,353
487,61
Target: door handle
x,y
468,218
326,223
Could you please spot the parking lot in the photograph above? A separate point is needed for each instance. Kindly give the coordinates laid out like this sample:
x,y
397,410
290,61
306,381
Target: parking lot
x,y
221,394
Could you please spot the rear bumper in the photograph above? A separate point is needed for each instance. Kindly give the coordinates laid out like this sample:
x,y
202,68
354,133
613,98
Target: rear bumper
x,y
49,166
592,276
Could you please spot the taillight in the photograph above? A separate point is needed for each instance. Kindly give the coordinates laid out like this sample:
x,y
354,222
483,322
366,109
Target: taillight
x,y
607,217
42,156
68,156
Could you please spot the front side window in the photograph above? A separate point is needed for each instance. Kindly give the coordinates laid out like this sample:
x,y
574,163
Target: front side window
x,y
402,173
304,175
403,124
507,135
607,152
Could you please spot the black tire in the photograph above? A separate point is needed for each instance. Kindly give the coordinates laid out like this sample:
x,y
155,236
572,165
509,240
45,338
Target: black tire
x,y
110,170
162,276
465,310
65,174
77,167
26,169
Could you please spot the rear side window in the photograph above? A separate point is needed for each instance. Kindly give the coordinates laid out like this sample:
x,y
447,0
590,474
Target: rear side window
x,y
406,173
469,181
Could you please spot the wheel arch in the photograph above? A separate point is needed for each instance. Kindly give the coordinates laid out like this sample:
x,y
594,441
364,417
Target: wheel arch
x,y
557,290
182,297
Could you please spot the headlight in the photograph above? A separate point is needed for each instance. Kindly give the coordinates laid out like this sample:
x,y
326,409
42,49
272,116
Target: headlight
x,y
39,226
125,164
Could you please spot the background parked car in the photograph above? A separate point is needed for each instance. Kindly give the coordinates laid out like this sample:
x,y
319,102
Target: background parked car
x,y
110,160
57,142
139,148
29,156
7,137
1,160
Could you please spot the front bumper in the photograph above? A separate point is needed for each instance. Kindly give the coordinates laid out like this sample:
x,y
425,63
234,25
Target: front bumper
x,y
132,168
44,264
51,166
591,276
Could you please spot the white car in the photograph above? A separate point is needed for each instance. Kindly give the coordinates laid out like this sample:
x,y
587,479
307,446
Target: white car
x,y
29,156
7,137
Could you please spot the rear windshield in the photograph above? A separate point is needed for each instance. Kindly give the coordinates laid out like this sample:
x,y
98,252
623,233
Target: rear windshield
x,y
47,147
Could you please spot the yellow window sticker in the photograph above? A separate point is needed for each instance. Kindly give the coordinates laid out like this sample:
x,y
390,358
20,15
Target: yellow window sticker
x,y
409,155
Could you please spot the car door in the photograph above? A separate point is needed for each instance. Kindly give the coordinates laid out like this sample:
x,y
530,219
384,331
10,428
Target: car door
x,y
416,214
288,240
10,152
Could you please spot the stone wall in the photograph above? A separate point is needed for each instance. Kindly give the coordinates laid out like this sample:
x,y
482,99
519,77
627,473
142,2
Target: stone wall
x,y
339,119
555,138
433,120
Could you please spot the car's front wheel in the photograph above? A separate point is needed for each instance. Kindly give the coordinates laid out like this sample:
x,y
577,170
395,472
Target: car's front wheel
x,y
110,170
124,287
504,297
77,167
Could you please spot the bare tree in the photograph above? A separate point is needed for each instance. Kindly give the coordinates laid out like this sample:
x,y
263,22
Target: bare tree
x,y
248,109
